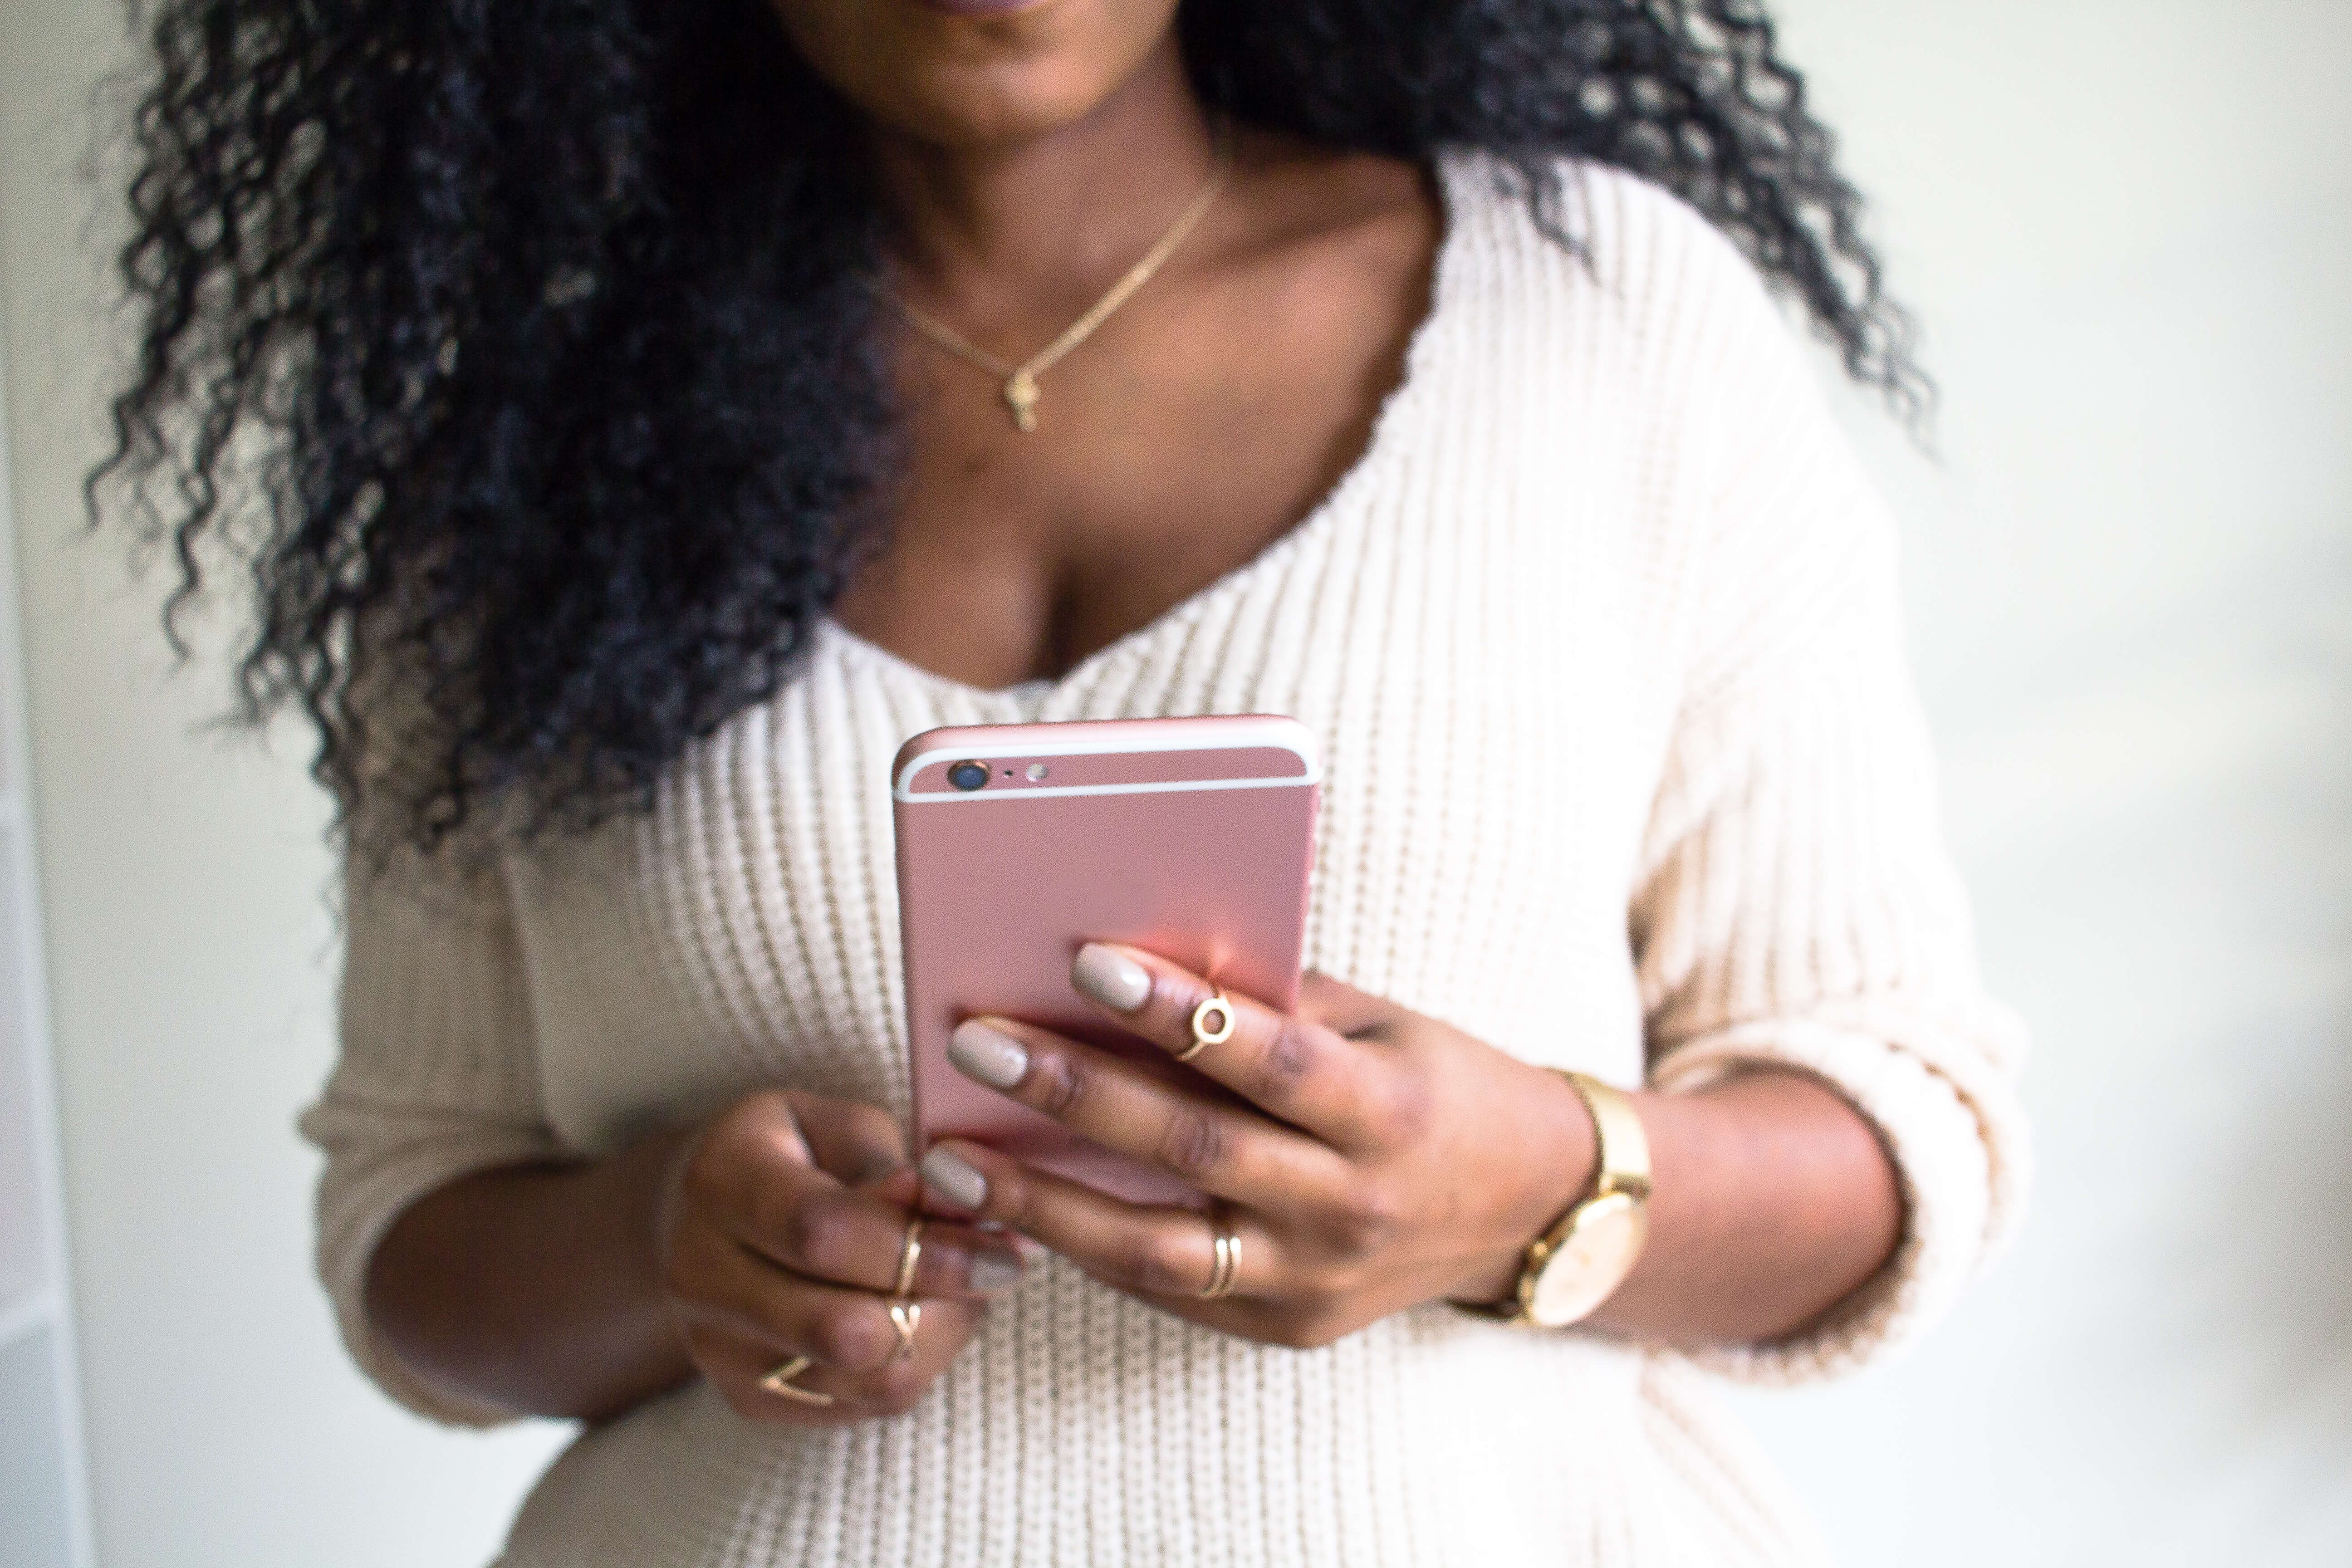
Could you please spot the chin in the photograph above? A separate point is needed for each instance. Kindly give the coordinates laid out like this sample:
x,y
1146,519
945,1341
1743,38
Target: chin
x,y
977,73
983,9
963,109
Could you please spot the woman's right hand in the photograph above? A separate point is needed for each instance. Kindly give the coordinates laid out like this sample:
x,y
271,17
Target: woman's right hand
x,y
780,1231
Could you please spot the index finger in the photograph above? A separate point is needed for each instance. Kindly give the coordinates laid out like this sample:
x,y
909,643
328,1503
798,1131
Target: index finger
x,y
1311,1077
856,1144
811,1226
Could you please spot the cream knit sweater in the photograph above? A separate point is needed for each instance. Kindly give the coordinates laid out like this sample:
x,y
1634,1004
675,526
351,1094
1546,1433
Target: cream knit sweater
x,y
1601,641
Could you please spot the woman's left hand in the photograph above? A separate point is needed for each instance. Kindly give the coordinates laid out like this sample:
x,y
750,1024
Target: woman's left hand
x,y
1383,1158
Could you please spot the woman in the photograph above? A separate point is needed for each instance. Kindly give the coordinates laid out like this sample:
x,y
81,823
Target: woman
x,y
676,407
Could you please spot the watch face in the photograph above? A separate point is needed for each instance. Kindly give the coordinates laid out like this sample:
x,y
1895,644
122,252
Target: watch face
x,y
1592,1259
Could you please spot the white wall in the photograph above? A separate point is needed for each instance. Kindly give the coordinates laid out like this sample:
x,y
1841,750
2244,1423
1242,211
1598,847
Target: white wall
x,y
190,965
2129,223
2126,221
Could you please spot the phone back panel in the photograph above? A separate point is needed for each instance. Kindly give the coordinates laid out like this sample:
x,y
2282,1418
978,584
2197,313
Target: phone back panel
x,y
1192,838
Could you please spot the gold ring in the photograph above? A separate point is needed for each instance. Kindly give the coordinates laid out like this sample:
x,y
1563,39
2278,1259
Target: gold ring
x,y
906,1317
780,1381
911,1252
1227,1267
906,1312
1205,1036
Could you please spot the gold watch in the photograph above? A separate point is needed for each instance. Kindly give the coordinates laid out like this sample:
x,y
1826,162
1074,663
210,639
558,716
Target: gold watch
x,y
1580,1262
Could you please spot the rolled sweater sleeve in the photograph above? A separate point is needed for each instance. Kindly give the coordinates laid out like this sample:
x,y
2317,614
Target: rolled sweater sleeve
x,y
437,1077
1797,907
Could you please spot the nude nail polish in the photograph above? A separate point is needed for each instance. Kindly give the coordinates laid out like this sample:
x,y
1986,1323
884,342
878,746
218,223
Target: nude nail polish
x,y
1111,978
987,1055
994,1271
952,1176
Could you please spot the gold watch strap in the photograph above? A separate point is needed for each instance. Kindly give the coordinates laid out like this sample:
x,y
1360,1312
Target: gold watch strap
x,y
1621,1165
1623,1157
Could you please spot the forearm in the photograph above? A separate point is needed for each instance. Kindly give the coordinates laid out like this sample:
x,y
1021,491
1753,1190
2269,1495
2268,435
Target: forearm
x,y
1774,1200
536,1288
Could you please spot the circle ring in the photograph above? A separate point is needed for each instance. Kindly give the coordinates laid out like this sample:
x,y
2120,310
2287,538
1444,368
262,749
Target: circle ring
x,y
1204,1037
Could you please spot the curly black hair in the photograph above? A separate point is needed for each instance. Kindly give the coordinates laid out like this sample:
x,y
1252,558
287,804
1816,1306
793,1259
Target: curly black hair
x,y
522,346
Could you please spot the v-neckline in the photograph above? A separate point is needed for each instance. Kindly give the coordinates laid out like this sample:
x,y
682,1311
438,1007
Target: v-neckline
x,y
1380,448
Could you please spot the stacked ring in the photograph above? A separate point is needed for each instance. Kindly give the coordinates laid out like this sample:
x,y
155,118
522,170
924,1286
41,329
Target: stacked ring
x,y
1226,1267
906,1317
906,1313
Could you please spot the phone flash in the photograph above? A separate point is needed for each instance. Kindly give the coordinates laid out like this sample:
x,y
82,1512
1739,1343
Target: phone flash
x,y
1036,771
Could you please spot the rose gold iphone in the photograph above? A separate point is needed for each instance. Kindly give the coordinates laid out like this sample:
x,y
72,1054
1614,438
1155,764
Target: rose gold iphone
x,y
1019,843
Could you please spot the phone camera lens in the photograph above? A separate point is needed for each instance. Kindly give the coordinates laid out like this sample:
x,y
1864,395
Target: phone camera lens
x,y
968,776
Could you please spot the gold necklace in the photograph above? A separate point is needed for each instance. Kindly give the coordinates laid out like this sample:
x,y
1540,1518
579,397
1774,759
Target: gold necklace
x,y
1019,390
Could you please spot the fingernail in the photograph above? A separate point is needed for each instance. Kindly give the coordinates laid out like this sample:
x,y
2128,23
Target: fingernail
x,y
995,1058
993,1271
1111,978
952,1176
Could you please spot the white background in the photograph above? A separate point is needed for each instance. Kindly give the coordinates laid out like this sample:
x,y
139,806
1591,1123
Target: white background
x,y
2127,224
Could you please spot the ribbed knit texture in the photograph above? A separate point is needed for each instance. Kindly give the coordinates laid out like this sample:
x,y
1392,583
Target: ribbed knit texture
x,y
1600,638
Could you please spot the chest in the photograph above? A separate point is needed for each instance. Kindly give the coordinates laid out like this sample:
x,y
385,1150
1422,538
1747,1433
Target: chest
x,y
1200,424
1475,675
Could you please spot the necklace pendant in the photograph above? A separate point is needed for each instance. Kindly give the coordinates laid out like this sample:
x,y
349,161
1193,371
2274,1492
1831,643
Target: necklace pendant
x,y
1020,397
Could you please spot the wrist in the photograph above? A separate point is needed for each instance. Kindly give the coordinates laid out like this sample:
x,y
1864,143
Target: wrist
x,y
1580,1260
1560,1157
648,1175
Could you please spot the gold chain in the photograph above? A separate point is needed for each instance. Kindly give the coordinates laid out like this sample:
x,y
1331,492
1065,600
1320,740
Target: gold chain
x,y
1020,391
